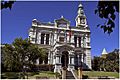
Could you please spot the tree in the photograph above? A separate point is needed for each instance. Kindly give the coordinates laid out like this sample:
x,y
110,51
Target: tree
x,y
113,58
96,63
35,52
7,4
110,63
106,10
9,58
20,54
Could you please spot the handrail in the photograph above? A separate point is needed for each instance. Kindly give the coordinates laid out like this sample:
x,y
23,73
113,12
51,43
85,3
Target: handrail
x,y
73,74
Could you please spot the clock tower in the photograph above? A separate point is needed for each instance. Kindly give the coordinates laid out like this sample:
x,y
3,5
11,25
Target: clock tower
x,y
81,18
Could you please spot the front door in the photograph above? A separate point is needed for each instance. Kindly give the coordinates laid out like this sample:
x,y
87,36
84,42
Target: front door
x,y
64,59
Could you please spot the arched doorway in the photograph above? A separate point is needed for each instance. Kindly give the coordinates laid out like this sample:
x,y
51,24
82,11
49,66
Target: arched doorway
x,y
65,59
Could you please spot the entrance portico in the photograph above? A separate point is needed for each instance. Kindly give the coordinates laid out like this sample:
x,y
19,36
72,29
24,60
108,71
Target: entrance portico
x,y
64,58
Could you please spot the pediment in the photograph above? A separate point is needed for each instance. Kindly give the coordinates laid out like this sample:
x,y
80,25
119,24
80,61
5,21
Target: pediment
x,y
62,20
65,47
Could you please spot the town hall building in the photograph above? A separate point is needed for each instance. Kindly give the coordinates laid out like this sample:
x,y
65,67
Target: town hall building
x,y
68,46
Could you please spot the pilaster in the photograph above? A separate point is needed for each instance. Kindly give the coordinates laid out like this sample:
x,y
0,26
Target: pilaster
x,y
44,39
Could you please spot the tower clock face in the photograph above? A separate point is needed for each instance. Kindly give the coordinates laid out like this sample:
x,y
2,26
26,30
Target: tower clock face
x,y
82,21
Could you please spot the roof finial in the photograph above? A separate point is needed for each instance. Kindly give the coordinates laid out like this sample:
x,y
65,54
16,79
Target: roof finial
x,y
104,51
34,20
80,5
62,16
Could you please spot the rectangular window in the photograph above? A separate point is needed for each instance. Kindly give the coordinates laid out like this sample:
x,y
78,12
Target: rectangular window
x,y
75,40
79,41
88,44
33,39
88,37
33,30
42,38
47,38
61,39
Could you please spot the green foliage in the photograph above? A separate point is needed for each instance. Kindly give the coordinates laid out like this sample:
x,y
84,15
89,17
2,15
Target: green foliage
x,y
58,75
10,60
110,63
44,67
21,53
106,10
96,63
7,4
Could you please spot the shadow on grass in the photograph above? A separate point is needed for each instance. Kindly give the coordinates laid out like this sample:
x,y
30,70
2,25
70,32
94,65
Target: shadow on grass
x,y
17,75
84,76
10,75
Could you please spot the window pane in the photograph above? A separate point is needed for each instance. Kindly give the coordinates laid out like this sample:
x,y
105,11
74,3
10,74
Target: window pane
x,y
75,41
47,38
33,39
79,41
61,39
42,38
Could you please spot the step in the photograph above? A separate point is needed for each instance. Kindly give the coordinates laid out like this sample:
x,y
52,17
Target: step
x,y
69,75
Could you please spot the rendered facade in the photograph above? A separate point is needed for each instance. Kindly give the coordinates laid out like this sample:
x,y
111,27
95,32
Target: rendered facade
x,y
68,46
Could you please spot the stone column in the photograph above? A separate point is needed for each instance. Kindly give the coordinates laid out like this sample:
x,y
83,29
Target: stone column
x,y
69,63
78,59
49,57
77,41
60,59
54,58
45,39
82,57
69,60
72,60
72,38
57,59
55,37
36,37
82,42
49,38
40,38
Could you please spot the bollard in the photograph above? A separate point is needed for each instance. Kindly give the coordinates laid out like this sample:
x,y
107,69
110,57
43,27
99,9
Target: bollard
x,y
79,73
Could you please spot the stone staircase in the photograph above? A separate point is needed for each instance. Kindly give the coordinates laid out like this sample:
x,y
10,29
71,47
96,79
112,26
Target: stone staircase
x,y
69,75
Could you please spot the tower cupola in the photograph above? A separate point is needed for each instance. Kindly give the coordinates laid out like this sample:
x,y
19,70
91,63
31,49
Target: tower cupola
x,y
81,18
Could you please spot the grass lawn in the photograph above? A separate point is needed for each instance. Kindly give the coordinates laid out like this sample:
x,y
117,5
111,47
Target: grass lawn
x,y
31,75
100,73
43,74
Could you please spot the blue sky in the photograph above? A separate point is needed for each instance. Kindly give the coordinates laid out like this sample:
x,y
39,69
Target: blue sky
x,y
16,22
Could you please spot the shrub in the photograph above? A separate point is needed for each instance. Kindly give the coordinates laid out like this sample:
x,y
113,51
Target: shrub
x,y
42,67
